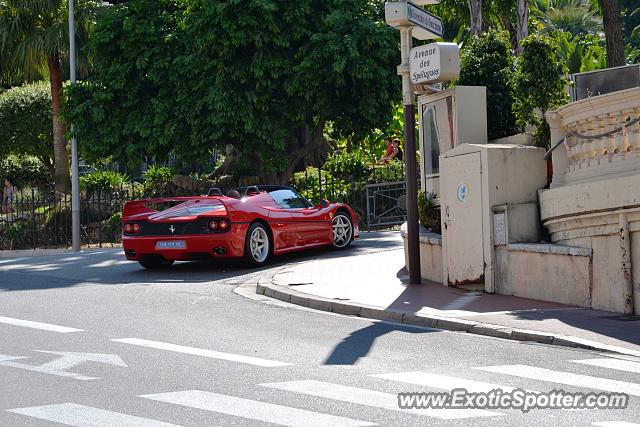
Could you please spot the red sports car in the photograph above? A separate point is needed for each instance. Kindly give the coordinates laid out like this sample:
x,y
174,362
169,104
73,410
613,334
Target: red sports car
x,y
263,221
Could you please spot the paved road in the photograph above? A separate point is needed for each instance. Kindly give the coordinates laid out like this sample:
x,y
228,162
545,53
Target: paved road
x,y
119,345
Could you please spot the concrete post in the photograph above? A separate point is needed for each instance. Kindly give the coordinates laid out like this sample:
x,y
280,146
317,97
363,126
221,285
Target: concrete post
x,y
559,157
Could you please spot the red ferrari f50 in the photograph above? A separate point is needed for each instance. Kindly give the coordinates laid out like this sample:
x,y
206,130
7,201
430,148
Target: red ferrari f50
x,y
266,220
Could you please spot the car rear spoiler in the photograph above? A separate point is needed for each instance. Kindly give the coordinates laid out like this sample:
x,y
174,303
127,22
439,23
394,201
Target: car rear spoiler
x,y
137,207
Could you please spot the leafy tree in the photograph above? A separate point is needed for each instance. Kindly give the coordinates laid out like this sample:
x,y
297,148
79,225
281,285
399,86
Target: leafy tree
x,y
33,42
581,53
25,114
540,84
262,77
487,61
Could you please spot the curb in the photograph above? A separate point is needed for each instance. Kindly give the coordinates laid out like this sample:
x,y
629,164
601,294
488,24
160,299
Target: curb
x,y
22,253
266,286
33,252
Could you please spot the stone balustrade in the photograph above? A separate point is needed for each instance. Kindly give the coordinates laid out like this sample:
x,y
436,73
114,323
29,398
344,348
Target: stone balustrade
x,y
587,155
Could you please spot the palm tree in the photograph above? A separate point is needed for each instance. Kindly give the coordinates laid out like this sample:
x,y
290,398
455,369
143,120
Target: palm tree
x,y
34,42
522,12
612,20
573,16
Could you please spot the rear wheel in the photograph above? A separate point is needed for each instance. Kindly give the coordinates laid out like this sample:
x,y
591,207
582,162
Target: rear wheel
x,y
155,262
342,231
257,245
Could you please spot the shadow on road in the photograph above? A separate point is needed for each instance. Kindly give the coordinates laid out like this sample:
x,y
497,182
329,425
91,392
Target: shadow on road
x,y
359,343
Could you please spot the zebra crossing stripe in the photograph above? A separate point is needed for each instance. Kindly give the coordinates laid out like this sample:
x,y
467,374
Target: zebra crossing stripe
x,y
372,398
618,364
442,382
254,410
73,414
566,378
615,424
38,325
265,363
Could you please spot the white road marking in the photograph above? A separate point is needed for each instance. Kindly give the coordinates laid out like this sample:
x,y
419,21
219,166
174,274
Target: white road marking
x,y
618,364
252,409
373,398
38,325
442,382
73,414
60,365
615,424
202,352
567,378
463,301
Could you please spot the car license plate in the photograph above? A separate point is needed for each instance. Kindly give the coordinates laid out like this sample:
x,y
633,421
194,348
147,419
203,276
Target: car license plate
x,y
171,244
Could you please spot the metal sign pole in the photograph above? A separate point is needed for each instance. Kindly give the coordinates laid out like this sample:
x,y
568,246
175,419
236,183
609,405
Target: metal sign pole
x,y
413,234
75,179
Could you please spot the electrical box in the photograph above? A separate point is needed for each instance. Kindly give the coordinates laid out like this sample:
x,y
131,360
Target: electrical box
x,y
447,119
475,179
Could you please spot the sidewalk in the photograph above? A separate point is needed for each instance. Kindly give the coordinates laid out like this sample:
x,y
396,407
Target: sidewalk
x,y
374,286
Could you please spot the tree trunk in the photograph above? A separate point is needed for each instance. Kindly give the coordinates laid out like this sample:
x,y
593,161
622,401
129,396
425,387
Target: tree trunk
x,y
475,10
60,153
612,23
523,23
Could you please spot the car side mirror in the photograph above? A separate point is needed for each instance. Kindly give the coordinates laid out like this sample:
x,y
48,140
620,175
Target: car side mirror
x,y
324,203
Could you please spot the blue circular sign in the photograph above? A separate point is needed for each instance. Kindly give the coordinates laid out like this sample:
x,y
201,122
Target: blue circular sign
x,y
462,192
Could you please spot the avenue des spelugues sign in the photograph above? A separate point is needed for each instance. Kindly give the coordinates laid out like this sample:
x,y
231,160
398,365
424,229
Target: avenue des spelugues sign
x,y
434,62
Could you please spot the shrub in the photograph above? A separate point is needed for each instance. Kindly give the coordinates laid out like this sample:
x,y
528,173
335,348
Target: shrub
x,y
27,171
308,184
156,176
103,181
393,171
352,165
487,61
428,213
540,84
112,229
20,235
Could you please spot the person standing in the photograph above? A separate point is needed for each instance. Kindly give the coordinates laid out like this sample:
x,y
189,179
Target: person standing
x,y
9,195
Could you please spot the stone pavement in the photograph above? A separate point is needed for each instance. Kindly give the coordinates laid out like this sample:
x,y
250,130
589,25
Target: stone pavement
x,y
374,285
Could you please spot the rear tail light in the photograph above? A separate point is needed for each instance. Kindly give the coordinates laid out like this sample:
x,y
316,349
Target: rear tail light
x,y
219,225
131,228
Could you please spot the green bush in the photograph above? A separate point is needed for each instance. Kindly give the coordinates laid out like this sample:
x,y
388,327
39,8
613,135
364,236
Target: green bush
x,y
57,225
156,176
27,171
20,235
26,127
488,61
393,171
308,184
112,228
428,213
103,181
540,84
354,165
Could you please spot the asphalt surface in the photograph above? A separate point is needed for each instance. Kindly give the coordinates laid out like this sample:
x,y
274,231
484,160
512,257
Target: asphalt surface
x,y
180,347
